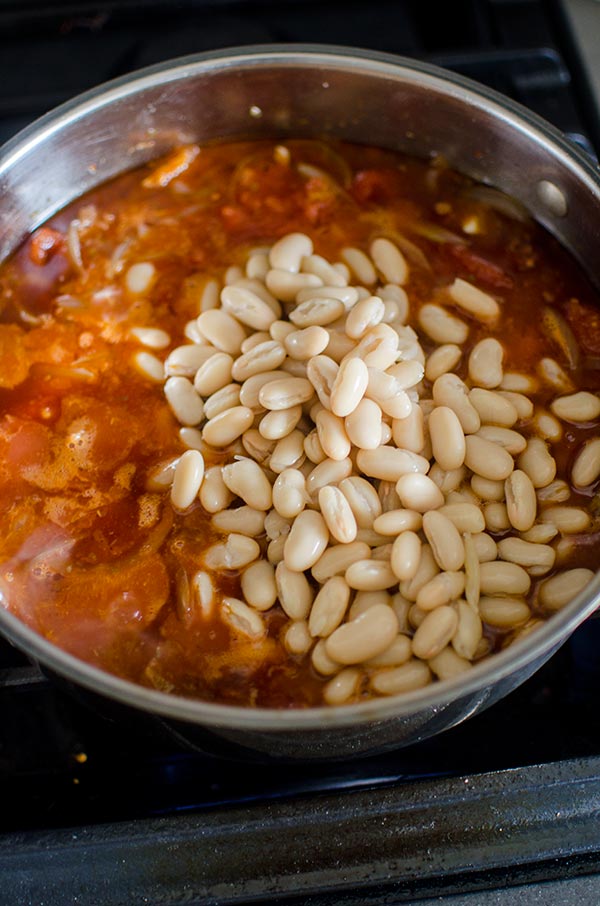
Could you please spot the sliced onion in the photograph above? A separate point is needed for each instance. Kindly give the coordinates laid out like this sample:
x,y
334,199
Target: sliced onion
x,y
323,158
413,253
309,171
74,245
435,233
117,259
68,301
556,329
498,201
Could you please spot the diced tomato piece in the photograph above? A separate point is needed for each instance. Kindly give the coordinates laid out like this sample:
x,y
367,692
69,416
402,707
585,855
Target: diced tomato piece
x,y
585,323
24,443
14,361
45,242
374,185
483,270
234,218
320,200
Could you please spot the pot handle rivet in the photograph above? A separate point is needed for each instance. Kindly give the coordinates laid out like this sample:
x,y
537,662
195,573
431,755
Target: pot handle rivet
x,y
552,197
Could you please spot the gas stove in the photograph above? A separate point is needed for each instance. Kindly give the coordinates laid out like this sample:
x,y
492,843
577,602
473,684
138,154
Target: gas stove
x,y
104,806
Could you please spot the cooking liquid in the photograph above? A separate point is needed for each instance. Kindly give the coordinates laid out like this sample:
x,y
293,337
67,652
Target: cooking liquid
x,y
92,560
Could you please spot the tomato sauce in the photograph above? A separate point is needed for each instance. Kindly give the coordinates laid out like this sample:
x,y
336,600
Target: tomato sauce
x,y
89,557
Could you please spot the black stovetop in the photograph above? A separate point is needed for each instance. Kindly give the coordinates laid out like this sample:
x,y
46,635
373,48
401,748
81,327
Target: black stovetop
x,y
102,807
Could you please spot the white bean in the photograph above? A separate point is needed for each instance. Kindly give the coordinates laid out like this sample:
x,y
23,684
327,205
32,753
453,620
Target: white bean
x,y
225,398
537,462
418,492
284,393
527,554
185,403
363,425
477,303
329,471
214,374
557,591
389,463
329,608
244,520
152,337
236,552
503,611
349,387
406,554
370,575
363,499
187,479
279,423
578,407
447,438
258,585
586,468
317,312
306,343
360,265
285,285
243,618
444,588
336,560
410,676
265,357
567,519
342,687
140,277
306,541
485,363
445,541
513,442
247,307
442,360
364,637
222,330
487,459
337,514
435,632
449,390
294,592
247,480
442,326
364,315
501,577
149,366
287,253
184,361
521,502
315,264
225,427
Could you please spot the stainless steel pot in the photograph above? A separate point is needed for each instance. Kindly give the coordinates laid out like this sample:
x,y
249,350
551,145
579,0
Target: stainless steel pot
x,y
309,91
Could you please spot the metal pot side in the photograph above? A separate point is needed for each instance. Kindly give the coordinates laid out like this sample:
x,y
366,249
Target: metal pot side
x,y
319,92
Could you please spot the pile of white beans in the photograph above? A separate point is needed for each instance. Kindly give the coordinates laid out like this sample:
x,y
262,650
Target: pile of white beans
x,y
364,480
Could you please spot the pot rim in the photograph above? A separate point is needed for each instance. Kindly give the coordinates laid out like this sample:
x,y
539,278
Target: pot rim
x,y
438,695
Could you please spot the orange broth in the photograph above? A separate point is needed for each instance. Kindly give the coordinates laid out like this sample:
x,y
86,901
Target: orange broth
x,y
88,557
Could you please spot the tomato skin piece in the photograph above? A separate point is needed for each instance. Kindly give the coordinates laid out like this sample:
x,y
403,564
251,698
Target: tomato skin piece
x,y
321,201
24,443
376,186
585,323
45,243
480,268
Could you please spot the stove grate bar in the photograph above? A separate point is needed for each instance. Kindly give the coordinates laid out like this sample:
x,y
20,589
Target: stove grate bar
x,y
393,845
